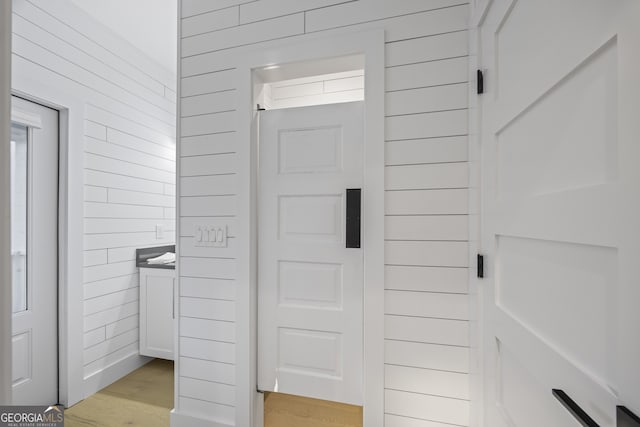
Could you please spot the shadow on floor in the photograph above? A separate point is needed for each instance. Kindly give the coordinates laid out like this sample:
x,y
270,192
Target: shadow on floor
x,y
142,399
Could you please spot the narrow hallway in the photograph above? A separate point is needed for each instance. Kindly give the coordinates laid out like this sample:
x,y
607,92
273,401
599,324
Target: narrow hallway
x,y
142,398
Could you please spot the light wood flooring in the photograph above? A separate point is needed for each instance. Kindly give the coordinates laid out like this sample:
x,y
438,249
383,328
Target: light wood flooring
x,y
141,399
144,398
284,410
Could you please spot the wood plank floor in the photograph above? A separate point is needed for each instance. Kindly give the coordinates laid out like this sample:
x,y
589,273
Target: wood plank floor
x,y
141,399
284,410
144,398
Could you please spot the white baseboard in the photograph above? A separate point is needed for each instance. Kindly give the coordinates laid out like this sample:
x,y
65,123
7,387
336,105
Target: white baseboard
x,y
112,373
183,420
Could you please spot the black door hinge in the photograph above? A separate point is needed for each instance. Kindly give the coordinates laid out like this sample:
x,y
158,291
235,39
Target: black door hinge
x,y
480,79
480,266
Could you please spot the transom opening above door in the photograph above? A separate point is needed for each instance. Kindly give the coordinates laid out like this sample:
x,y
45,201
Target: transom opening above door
x,y
301,84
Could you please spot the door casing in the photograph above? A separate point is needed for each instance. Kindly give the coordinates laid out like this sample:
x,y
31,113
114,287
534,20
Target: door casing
x,y
249,403
70,245
34,121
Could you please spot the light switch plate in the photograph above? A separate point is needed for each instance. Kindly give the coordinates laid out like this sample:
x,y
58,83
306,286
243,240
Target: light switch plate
x,y
207,235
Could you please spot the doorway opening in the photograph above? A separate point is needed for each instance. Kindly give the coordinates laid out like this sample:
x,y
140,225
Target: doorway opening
x,y
34,252
310,129
304,84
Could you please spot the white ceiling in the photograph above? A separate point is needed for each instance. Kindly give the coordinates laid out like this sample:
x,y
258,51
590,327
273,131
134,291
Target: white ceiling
x,y
150,25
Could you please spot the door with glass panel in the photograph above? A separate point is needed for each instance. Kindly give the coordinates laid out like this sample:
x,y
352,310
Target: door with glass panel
x,y
34,252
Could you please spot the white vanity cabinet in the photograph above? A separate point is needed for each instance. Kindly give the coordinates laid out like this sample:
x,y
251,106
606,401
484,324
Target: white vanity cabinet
x,y
157,312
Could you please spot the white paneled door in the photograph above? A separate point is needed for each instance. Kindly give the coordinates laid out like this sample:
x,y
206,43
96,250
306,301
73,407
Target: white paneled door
x,y
310,284
34,252
561,210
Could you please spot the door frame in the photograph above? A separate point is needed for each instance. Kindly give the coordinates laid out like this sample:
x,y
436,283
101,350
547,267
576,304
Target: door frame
x,y
5,203
34,121
477,15
70,243
371,43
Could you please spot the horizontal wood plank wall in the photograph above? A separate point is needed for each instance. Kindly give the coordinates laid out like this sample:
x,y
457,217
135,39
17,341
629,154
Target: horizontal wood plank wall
x,y
426,331
129,161
325,89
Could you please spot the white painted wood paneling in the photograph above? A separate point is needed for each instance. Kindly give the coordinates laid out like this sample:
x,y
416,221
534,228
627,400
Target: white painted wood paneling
x,y
257,11
95,257
206,329
437,124
208,83
427,407
426,202
427,304
110,285
209,103
223,394
129,127
211,21
426,100
429,356
285,26
331,88
426,279
424,177
427,330
447,254
427,74
214,351
424,49
220,143
196,7
102,318
424,151
354,13
427,381
208,288
210,371
426,227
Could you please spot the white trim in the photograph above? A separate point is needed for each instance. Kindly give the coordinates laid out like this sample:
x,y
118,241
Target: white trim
x,y
96,382
371,44
5,203
70,239
177,419
184,420
479,13
26,118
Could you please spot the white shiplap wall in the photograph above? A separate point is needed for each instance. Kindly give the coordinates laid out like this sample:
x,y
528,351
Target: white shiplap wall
x,y
347,86
129,163
426,253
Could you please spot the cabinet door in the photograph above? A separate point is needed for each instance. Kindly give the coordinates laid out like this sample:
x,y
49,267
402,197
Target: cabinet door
x,y
156,313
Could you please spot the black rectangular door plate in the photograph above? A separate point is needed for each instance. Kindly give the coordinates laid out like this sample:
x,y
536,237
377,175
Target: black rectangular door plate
x,y
626,418
354,203
480,82
480,272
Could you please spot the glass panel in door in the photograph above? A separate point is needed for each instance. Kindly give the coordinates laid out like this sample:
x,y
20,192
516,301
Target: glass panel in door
x,y
19,216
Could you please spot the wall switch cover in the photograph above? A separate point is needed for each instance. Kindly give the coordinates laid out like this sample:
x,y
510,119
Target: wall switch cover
x,y
206,235
159,232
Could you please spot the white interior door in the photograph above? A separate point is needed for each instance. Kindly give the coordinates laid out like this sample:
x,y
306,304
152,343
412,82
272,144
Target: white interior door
x,y
310,285
561,209
34,252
